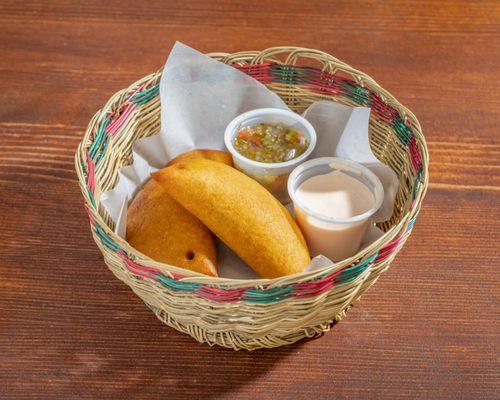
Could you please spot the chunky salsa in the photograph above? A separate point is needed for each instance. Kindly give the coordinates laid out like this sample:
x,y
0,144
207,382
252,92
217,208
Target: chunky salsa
x,y
270,143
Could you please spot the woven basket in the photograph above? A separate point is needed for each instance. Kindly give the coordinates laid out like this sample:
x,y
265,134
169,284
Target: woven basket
x,y
252,314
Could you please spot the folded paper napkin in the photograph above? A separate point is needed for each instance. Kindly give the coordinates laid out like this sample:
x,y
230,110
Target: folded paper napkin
x,y
199,97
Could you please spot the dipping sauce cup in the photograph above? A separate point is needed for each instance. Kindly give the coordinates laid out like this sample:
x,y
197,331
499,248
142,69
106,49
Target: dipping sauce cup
x,y
340,237
273,176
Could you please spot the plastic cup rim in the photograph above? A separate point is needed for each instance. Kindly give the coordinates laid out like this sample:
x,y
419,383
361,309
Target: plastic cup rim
x,y
233,127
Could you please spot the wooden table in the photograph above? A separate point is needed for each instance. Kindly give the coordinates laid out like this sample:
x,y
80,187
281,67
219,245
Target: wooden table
x,y
69,329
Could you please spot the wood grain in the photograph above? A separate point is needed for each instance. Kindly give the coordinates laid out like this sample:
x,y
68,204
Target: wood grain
x,y
69,329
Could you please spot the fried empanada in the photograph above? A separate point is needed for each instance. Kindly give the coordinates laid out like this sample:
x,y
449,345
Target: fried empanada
x,y
241,212
162,229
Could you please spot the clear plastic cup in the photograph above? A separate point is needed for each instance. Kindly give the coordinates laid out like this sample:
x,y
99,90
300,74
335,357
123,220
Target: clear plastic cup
x,y
272,176
335,238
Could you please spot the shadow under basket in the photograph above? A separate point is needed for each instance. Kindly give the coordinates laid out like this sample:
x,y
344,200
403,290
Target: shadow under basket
x,y
263,313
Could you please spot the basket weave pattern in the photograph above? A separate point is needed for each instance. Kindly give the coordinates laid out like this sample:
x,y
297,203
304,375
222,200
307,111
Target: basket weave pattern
x,y
251,314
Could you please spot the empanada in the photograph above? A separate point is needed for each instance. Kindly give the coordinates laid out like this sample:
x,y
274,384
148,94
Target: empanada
x,y
241,212
165,231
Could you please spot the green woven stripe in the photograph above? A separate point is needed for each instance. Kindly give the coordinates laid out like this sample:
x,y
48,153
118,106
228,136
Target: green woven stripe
x,y
357,94
84,167
353,272
177,285
417,184
290,74
91,197
143,97
105,240
100,141
102,149
356,269
412,222
402,130
267,295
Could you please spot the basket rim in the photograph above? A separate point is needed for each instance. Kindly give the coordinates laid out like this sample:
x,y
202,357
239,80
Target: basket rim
x,y
194,277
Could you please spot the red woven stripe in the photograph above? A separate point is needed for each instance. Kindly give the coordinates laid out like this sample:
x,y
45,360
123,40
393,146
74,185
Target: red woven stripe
x,y
138,269
313,291
382,110
325,83
415,155
220,295
117,124
261,72
388,250
307,289
90,173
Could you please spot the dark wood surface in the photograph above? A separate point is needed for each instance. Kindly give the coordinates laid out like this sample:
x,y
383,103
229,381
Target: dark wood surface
x,y
68,329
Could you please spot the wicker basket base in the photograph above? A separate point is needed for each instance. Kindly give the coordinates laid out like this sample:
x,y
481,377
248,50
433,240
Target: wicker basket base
x,y
238,341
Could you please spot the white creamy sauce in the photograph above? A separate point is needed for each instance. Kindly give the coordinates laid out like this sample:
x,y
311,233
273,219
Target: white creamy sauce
x,y
335,195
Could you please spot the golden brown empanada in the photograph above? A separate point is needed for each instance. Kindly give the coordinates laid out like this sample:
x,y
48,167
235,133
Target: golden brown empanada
x,y
241,212
162,229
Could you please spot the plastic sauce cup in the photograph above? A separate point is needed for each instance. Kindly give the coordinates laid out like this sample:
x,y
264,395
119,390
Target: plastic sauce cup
x,y
335,238
273,176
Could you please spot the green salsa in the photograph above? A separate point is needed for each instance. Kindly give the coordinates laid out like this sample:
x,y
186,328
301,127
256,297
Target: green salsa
x,y
270,143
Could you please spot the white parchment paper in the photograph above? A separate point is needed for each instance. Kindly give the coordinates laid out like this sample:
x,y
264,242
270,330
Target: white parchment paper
x,y
199,97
